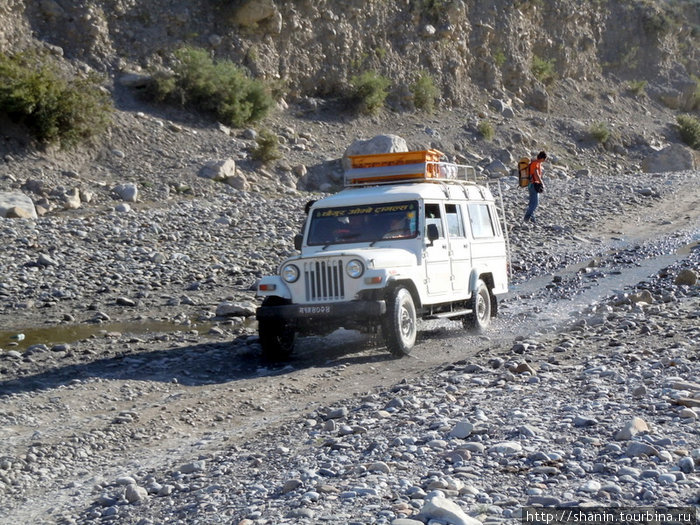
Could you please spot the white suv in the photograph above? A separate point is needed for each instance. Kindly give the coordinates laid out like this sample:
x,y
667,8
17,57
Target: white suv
x,y
400,242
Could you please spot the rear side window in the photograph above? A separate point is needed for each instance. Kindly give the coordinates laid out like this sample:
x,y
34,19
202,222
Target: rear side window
x,y
455,226
480,220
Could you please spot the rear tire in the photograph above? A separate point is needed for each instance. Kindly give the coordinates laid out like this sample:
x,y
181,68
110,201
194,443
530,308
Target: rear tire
x,y
480,304
400,325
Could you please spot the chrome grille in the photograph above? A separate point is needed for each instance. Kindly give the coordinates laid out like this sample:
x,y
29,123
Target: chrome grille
x,y
324,280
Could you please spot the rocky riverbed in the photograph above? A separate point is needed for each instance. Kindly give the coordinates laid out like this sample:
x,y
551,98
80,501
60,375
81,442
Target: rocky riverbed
x,y
131,385
602,413
138,395
178,263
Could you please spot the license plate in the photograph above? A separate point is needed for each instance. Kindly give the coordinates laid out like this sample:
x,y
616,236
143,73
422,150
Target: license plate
x,y
315,309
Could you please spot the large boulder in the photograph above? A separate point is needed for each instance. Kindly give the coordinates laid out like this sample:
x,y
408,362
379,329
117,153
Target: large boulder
x,y
135,80
238,181
71,199
254,11
377,144
218,169
128,192
497,169
14,204
686,278
538,98
231,309
672,158
679,95
439,508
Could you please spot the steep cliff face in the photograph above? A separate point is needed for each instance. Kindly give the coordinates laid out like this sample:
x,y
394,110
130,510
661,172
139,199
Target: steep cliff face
x,y
315,47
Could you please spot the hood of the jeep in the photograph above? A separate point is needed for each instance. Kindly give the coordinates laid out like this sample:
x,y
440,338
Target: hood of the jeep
x,y
373,257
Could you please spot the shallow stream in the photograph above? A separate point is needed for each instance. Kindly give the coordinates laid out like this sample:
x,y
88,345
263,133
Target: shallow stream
x,y
552,298
21,339
562,295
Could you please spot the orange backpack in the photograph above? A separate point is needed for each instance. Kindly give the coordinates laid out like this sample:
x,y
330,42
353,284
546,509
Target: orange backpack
x,y
524,172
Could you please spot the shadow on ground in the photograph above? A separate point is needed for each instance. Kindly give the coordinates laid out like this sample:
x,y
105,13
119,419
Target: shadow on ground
x,y
202,364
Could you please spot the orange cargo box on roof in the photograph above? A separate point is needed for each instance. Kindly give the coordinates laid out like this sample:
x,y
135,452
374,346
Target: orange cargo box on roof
x,y
376,160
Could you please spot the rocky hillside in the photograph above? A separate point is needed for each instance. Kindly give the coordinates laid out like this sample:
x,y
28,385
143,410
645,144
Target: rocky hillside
x,y
540,74
314,47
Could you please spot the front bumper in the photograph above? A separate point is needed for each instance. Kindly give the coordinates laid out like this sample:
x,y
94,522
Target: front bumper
x,y
328,316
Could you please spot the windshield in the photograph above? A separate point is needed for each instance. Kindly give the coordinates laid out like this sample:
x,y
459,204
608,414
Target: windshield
x,y
364,223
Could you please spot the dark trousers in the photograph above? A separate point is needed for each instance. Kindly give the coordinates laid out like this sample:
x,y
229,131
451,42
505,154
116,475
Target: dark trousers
x,y
533,203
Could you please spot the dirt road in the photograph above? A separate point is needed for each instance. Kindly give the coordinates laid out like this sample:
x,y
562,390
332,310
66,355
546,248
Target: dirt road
x,y
77,415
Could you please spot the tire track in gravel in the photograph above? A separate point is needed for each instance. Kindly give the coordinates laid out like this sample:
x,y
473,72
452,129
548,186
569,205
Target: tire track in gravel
x,y
166,402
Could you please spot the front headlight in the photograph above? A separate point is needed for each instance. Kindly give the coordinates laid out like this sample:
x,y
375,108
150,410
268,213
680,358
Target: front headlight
x,y
355,268
290,273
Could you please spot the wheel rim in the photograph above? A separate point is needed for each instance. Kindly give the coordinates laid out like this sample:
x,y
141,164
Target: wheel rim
x,y
482,307
407,325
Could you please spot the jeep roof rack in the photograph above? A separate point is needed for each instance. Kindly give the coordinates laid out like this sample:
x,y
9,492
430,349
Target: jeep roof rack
x,y
406,166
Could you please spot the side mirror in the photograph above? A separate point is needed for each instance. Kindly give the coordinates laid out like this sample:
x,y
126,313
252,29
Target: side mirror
x,y
298,238
433,233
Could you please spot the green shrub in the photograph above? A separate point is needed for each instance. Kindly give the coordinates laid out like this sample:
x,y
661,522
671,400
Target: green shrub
x,y
54,107
499,58
524,4
656,23
543,70
695,101
486,130
433,9
629,59
637,88
689,129
369,92
424,92
267,147
219,88
600,132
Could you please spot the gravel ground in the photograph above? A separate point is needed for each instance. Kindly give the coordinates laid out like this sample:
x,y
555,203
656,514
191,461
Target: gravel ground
x,y
604,413
177,263
155,409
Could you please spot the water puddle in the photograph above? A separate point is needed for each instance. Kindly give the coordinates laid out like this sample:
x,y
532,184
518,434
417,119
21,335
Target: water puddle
x,y
688,248
66,334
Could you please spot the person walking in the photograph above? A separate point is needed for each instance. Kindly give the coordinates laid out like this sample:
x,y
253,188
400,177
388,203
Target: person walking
x,y
535,187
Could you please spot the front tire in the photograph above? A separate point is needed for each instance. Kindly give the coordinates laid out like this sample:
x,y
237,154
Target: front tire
x,y
480,304
400,325
277,338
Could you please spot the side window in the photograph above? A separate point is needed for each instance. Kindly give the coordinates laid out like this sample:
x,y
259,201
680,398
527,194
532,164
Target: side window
x,y
480,220
455,226
432,216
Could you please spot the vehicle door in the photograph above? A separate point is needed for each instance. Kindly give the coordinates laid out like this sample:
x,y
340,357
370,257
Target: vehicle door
x,y
488,249
459,252
436,254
